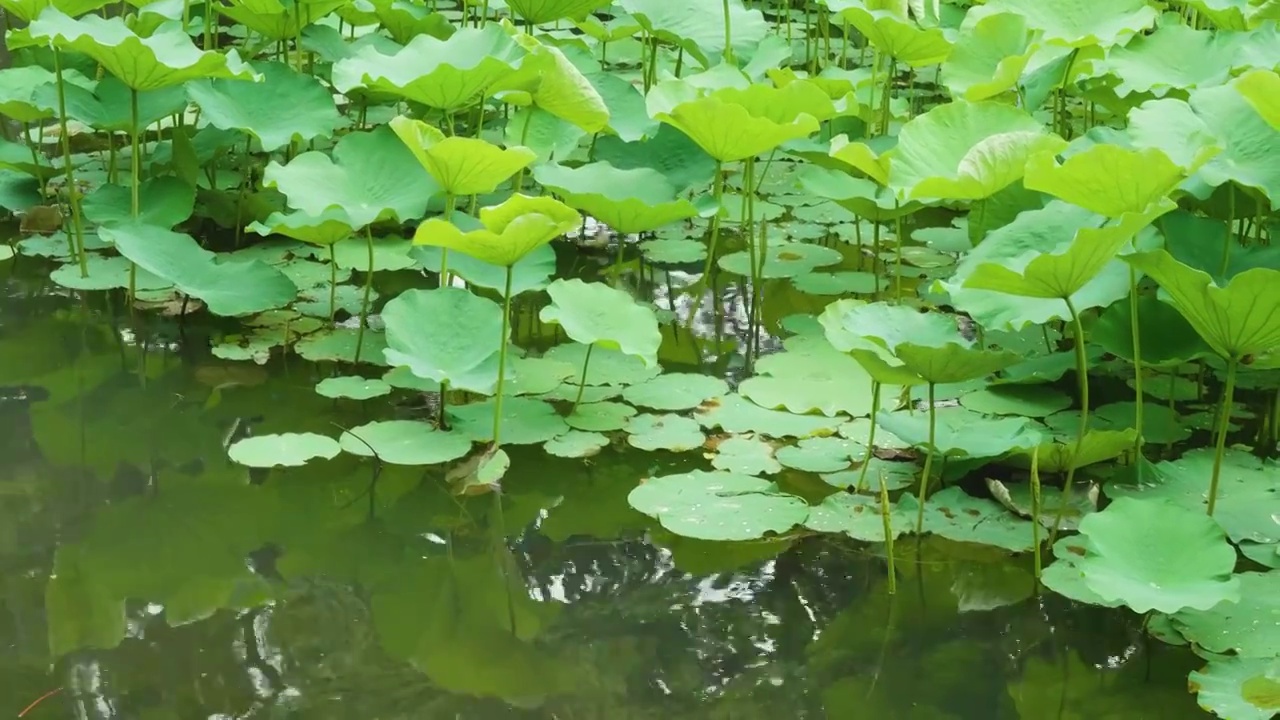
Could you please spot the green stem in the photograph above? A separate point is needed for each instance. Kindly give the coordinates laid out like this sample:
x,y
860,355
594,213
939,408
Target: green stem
x,y
728,34
502,360
368,289
897,254
718,193
928,457
449,201
134,171
888,533
73,193
582,381
333,285
1231,223
1082,377
1137,368
1035,508
444,403
1224,423
871,437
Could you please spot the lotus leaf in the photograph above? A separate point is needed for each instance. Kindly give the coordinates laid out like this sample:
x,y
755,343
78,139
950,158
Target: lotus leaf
x,y
819,454
104,273
164,202
782,260
340,345
535,375
1061,454
576,444
810,377
460,165
664,432
698,28
1165,336
1173,56
525,421
718,505
955,515
627,201
510,230
29,10
447,335
1247,626
607,367
600,416
28,94
894,34
1023,400
596,314
531,272
1202,243
1261,89
675,391
405,442
763,117
1249,141
961,433
857,516
857,195
1159,423
286,106
353,387
274,19
537,12
326,228
287,449
555,86
1238,688
745,455
989,56
1079,23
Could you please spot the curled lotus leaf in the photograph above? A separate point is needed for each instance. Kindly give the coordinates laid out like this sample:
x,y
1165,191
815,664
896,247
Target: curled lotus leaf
x,y
762,117
461,165
510,230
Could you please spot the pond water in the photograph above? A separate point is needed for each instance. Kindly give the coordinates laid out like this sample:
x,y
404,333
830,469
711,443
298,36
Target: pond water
x,y
354,589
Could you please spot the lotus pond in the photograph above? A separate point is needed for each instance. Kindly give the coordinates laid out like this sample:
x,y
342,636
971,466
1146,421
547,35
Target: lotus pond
x,y
637,358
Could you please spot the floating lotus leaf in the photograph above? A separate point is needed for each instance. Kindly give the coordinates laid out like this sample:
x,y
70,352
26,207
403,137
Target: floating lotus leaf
x,y
718,505
782,260
955,515
286,106
698,28
1153,555
600,416
746,455
166,58
1246,627
961,433
232,287
989,56
859,517
811,377
460,165
105,273
510,230
285,449
627,201
675,391
1020,400
894,34
448,75
535,375
854,282
735,414
329,227
369,176
762,117
405,442
819,455
339,345
607,366
576,444
1238,688
1240,319
447,335
525,421
664,432
1079,23
353,387
1261,89
596,314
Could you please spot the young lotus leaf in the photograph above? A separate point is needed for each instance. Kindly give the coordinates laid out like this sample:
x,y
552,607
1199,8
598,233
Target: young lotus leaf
x,y
1246,628
1261,89
447,335
233,287
961,433
285,449
166,58
966,151
596,314
675,391
1238,688
405,442
1108,179
353,387
1240,319
718,505
525,421
762,117
698,28
163,202
989,57
447,75
747,455
1078,23
327,228
1174,56
461,165
955,515
1154,555
510,230
284,107
894,34
859,517
627,201
370,177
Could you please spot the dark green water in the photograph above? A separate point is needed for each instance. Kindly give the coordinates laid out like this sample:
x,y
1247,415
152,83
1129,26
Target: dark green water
x,y
320,593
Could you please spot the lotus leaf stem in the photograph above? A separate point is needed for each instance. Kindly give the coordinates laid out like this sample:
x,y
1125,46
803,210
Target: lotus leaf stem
x,y
582,381
897,253
449,201
871,437
1231,224
886,519
135,171
502,360
718,193
1224,424
728,34
368,290
73,193
928,457
1137,369
1082,376
333,284
1035,509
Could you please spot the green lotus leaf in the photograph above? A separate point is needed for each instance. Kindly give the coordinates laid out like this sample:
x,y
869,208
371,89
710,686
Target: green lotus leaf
x,y
1249,141
167,57
576,444
718,505
276,20
163,201
446,335
531,272
405,20
875,163
1201,242
353,387
889,325
1108,179
1261,89
537,12
736,414
511,230
284,449
1062,275
962,433
1240,319
284,107
618,27
781,260
860,196
525,421
1150,554
698,28
339,344
370,176
596,314
1078,23
628,201
966,151
762,117
811,377
556,86
28,10
600,416
1060,454
1245,626
675,391
989,57
1174,56
894,35
108,105
953,362
232,287
746,455
352,253
404,442
460,165
1165,336
29,94
819,454
625,104
1021,400
105,273
448,75
668,151
859,517
327,228
1239,688
607,367
956,515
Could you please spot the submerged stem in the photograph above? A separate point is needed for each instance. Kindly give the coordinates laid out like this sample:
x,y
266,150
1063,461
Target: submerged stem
x,y
928,457
502,360
1082,377
871,437
1224,424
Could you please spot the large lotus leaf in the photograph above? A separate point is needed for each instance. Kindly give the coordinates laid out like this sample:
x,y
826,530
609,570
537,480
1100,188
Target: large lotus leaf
x,y
1166,338
967,151
462,166
698,27
735,414
511,230
1248,627
889,325
1248,503
962,433
556,86
860,196
625,103
989,57
1240,319
405,442
28,10
167,57
953,362
596,314
1065,274
275,20
718,505
327,228
232,287
284,107
405,20
108,105
858,516
762,117
531,272
447,335
29,94
1238,688
811,377
1261,89
370,176
1078,23
1108,179
1173,57
1200,242
545,11
1250,142
448,75
895,35
163,201
627,201
1153,555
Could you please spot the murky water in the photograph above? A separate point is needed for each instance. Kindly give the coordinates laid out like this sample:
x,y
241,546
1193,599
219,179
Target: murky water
x,y
182,586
